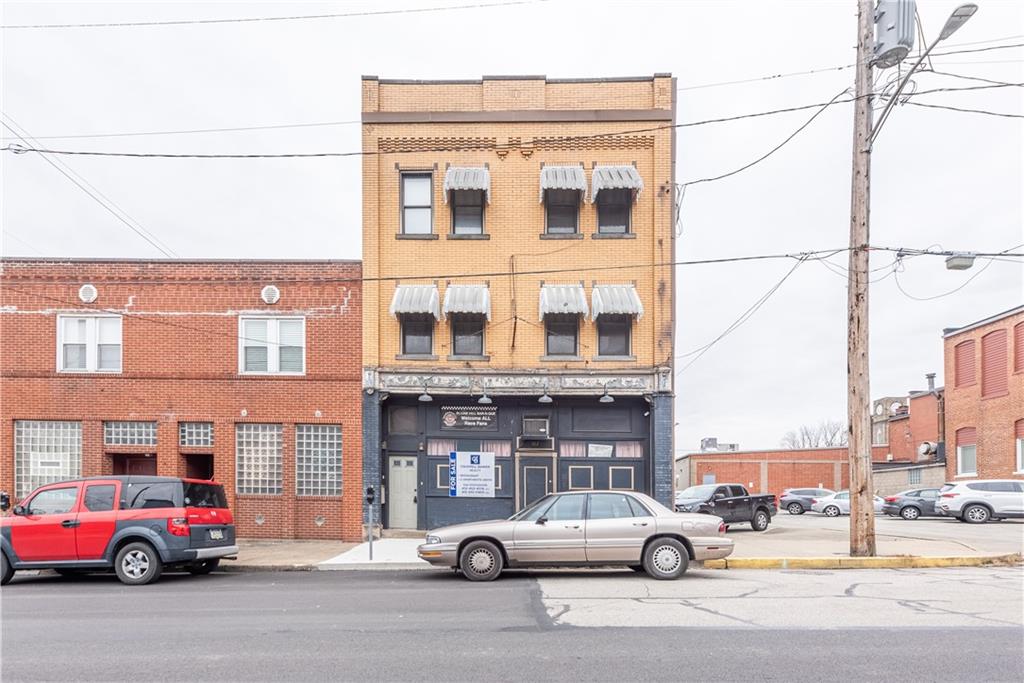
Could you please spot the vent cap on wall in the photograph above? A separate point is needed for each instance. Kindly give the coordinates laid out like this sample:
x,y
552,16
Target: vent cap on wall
x,y
270,294
88,293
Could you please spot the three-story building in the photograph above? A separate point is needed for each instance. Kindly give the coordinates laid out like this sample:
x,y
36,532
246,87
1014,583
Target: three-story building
x,y
518,245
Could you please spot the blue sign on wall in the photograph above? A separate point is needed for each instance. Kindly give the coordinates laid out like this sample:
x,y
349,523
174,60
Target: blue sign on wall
x,y
453,479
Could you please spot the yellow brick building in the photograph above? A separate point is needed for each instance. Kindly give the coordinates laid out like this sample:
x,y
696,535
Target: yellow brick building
x,y
517,247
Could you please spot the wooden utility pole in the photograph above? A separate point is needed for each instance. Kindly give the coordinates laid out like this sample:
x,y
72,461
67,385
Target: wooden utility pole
x,y
862,512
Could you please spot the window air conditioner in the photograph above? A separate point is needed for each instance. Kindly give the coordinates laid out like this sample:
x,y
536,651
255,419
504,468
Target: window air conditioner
x,y
535,428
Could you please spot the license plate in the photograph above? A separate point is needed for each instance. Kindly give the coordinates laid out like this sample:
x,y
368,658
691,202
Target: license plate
x,y
216,534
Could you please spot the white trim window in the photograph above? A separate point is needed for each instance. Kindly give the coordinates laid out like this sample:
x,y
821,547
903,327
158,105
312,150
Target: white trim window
x,y
966,460
44,453
1020,455
271,346
89,343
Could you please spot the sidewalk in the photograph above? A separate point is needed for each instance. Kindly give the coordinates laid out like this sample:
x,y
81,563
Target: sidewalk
x,y
271,555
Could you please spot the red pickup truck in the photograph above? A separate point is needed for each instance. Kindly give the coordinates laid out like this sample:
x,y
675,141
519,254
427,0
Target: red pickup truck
x,y
135,525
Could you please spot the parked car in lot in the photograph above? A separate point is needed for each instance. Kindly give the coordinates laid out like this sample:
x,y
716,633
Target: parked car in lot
x,y
798,501
731,502
596,528
912,504
839,504
135,525
979,501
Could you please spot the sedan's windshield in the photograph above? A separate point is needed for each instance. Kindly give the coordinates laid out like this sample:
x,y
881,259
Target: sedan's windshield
x,y
531,513
698,491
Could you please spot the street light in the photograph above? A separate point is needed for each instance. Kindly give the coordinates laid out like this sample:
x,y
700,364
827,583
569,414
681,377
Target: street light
x,y
957,19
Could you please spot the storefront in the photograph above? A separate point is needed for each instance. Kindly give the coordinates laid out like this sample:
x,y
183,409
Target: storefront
x,y
538,447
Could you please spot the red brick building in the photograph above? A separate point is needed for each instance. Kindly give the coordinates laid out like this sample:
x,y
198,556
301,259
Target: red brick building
x,y
248,372
985,398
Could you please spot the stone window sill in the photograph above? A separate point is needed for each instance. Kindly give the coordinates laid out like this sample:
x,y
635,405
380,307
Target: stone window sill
x,y
483,236
561,359
599,359
414,356
613,236
403,236
561,236
469,358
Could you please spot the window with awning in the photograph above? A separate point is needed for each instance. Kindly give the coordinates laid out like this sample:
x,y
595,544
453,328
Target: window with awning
x,y
468,189
614,190
469,307
562,188
417,308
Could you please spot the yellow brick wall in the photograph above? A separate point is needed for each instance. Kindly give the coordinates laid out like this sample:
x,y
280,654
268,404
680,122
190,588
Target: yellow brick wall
x,y
515,220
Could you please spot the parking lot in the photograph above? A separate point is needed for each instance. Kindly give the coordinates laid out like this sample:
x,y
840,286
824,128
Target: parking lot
x,y
814,535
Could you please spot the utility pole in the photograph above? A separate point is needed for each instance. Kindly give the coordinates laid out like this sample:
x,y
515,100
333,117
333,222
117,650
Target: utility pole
x,y
862,511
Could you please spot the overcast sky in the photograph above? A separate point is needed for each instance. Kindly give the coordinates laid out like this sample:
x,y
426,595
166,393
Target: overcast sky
x,y
940,178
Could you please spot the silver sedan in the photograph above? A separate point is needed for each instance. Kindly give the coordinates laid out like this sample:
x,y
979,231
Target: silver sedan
x,y
596,528
839,504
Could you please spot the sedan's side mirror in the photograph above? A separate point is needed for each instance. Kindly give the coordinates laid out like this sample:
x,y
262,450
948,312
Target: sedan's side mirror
x,y
5,501
542,520
19,510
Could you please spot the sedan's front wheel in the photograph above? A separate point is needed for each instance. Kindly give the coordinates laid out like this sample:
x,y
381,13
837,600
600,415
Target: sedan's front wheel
x,y
665,559
481,561
831,511
910,512
795,509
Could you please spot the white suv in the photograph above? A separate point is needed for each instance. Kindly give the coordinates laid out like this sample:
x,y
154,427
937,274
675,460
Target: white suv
x,y
979,501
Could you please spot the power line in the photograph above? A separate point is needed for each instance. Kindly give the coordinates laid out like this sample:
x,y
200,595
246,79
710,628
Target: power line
x,y
193,131
22,242
967,78
296,17
898,268
968,111
101,199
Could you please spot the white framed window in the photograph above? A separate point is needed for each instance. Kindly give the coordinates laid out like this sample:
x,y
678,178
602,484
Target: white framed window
x,y
318,460
259,464
129,433
1020,454
89,343
271,346
966,460
45,452
198,434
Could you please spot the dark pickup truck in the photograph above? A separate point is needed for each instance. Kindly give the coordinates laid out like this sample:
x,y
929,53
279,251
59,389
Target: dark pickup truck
x,y
731,502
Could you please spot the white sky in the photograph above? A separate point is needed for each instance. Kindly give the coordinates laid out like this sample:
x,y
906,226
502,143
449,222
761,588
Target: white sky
x,y
939,177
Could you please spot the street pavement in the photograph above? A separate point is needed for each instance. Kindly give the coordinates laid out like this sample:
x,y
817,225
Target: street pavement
x,y
736,625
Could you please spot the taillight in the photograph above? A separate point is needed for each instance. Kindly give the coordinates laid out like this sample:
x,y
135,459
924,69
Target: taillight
x,y
814,501
891,499
178,526
950,495
722,528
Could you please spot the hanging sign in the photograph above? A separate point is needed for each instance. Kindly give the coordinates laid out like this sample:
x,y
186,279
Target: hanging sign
x,y
470,475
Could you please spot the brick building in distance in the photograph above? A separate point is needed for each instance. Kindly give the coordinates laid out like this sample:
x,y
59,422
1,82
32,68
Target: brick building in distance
x,y
493,211
985,398
246,371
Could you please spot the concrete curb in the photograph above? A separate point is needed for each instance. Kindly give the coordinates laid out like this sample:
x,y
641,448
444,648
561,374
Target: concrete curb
x,y
891,562
247,568
375,566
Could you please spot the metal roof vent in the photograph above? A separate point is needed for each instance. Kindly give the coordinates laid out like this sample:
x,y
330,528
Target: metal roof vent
x,y
270,294
88,293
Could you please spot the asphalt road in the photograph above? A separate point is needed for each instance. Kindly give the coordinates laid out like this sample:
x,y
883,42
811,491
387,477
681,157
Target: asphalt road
x,y
433,625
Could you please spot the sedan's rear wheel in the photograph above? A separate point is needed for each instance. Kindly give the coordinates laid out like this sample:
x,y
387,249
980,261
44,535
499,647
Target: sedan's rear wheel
x,y
481,561
831,511
910,512
976,514
795,509
665,559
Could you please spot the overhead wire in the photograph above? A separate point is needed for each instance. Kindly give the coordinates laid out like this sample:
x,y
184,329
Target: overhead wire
x,y
966,110
898,268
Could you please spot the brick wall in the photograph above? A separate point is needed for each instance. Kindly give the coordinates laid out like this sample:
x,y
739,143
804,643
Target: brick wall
x,y
993,417
180,363
894,480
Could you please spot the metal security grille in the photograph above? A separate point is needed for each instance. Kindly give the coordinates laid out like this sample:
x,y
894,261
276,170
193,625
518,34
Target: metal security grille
x,y
129,433
195,434
44,453
258,460
318,460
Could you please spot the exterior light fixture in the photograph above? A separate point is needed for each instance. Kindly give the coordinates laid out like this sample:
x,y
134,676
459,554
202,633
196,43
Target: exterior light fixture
x,y
960,260
485,399
425,397
545,398
606,397
957,19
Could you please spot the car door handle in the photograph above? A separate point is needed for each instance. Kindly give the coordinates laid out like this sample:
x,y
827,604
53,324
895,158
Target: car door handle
x,y
639,523
572,526
70,523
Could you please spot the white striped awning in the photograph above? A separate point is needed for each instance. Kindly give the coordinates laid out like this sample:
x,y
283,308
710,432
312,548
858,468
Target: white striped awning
x,y
468,300
465,178
416,299
562,178
563,300
616,300
616,178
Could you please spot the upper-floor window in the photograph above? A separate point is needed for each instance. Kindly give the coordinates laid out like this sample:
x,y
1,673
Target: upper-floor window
x,y
467,335
417,334
1018,347
467,212
417,203
272,345
613,335
613,211
89,343
994,374
562,335
562,211
963,364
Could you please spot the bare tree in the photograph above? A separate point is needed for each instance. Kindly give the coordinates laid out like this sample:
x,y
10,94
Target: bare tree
x,y
826,434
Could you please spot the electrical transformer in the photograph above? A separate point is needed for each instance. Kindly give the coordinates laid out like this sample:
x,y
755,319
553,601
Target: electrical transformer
x,y
895,25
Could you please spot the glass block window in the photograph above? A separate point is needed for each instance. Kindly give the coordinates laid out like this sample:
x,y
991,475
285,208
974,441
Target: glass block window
x,y
44,453
129,433
318,460
258,462
195,434
914,476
